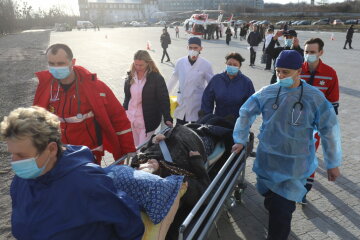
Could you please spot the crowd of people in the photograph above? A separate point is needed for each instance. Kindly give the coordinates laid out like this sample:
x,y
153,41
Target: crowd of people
x,y
60,192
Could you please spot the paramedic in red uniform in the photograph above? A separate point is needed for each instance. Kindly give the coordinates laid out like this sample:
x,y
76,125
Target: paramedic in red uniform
x,y
89,112
324,78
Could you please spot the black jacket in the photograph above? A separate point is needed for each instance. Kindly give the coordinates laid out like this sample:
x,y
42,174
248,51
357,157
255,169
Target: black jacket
x,y
165,40
349,33
155,100
274,52
254,38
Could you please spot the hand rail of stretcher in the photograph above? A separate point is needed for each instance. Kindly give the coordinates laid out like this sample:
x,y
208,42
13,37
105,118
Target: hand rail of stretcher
x,y
208,191
129,155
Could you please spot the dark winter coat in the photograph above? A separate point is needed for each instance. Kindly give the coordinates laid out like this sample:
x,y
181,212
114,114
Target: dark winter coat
x,y
349,33
165,40
155,100
180,140
254,38
228,34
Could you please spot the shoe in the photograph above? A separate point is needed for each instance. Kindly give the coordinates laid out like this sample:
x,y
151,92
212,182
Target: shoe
x,y
351,48
303,201
267,69
168,60
344,48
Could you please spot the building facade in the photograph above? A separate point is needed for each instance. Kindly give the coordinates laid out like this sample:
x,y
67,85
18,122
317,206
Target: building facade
x,y
115,11
190,5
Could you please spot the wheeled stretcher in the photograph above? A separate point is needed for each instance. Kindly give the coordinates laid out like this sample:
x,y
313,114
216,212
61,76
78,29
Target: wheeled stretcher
x,y
226,187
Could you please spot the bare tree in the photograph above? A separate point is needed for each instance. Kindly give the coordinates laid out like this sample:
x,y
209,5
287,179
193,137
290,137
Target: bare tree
x,y
7,16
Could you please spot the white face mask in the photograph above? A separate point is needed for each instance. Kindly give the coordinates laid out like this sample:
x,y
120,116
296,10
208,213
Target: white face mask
x,y
193,53
310,58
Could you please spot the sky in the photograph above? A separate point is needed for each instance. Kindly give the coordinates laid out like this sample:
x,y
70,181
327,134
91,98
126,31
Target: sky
x,y
71,6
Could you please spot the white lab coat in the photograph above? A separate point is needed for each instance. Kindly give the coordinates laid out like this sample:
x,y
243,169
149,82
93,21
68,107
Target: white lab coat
x,y
192,81
268,39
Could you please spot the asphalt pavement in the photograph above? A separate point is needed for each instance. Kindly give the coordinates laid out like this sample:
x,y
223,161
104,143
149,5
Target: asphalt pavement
x,y
333,211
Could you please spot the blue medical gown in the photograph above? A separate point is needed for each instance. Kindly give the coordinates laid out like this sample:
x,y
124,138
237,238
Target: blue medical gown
x,y
286,153
73,201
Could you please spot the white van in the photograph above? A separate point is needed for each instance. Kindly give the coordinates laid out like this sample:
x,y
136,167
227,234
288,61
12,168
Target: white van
x,y
84,24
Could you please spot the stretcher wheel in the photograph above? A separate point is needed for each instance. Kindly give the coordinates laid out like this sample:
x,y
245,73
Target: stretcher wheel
x,y
237,194
239,190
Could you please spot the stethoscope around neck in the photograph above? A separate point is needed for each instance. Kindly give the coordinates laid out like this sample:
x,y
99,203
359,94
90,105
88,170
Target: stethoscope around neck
x,y
79,115
275,106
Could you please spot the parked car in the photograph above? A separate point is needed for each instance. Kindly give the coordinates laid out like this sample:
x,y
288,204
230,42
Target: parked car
x,y
84,24
338,22
62,27
295,22
138,24
173,24
161,23
125,24
304,22
240,22
320,22
352,21
264,22
280,23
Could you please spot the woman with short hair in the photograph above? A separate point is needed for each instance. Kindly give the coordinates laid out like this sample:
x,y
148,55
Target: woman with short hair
x,y
58,192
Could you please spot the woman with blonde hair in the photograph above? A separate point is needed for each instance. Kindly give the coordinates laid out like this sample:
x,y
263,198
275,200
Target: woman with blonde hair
x,y
146,97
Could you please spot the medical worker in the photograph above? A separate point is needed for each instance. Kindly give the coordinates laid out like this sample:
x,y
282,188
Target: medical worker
x,y
88,110
227,91
192,73
58,192
291,110
320,75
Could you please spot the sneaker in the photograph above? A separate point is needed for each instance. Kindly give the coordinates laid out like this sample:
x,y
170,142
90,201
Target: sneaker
x,y
344,48
168,60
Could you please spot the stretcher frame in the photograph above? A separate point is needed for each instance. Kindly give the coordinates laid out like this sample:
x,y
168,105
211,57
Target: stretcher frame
x,y
229,180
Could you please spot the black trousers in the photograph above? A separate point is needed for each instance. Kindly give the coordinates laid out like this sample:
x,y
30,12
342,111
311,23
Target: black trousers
x,y
252,56
348,41
280,215
268,61
165,53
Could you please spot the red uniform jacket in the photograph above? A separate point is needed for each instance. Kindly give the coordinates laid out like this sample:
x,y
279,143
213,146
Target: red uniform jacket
x,y
325,80
91,116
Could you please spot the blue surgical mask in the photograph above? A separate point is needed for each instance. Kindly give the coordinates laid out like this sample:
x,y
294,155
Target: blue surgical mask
x,y
59,72
27,168
288,42
310,58
285,82
232,70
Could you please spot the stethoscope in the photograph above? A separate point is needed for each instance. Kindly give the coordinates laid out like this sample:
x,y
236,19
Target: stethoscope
x,y
275,106
78,115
